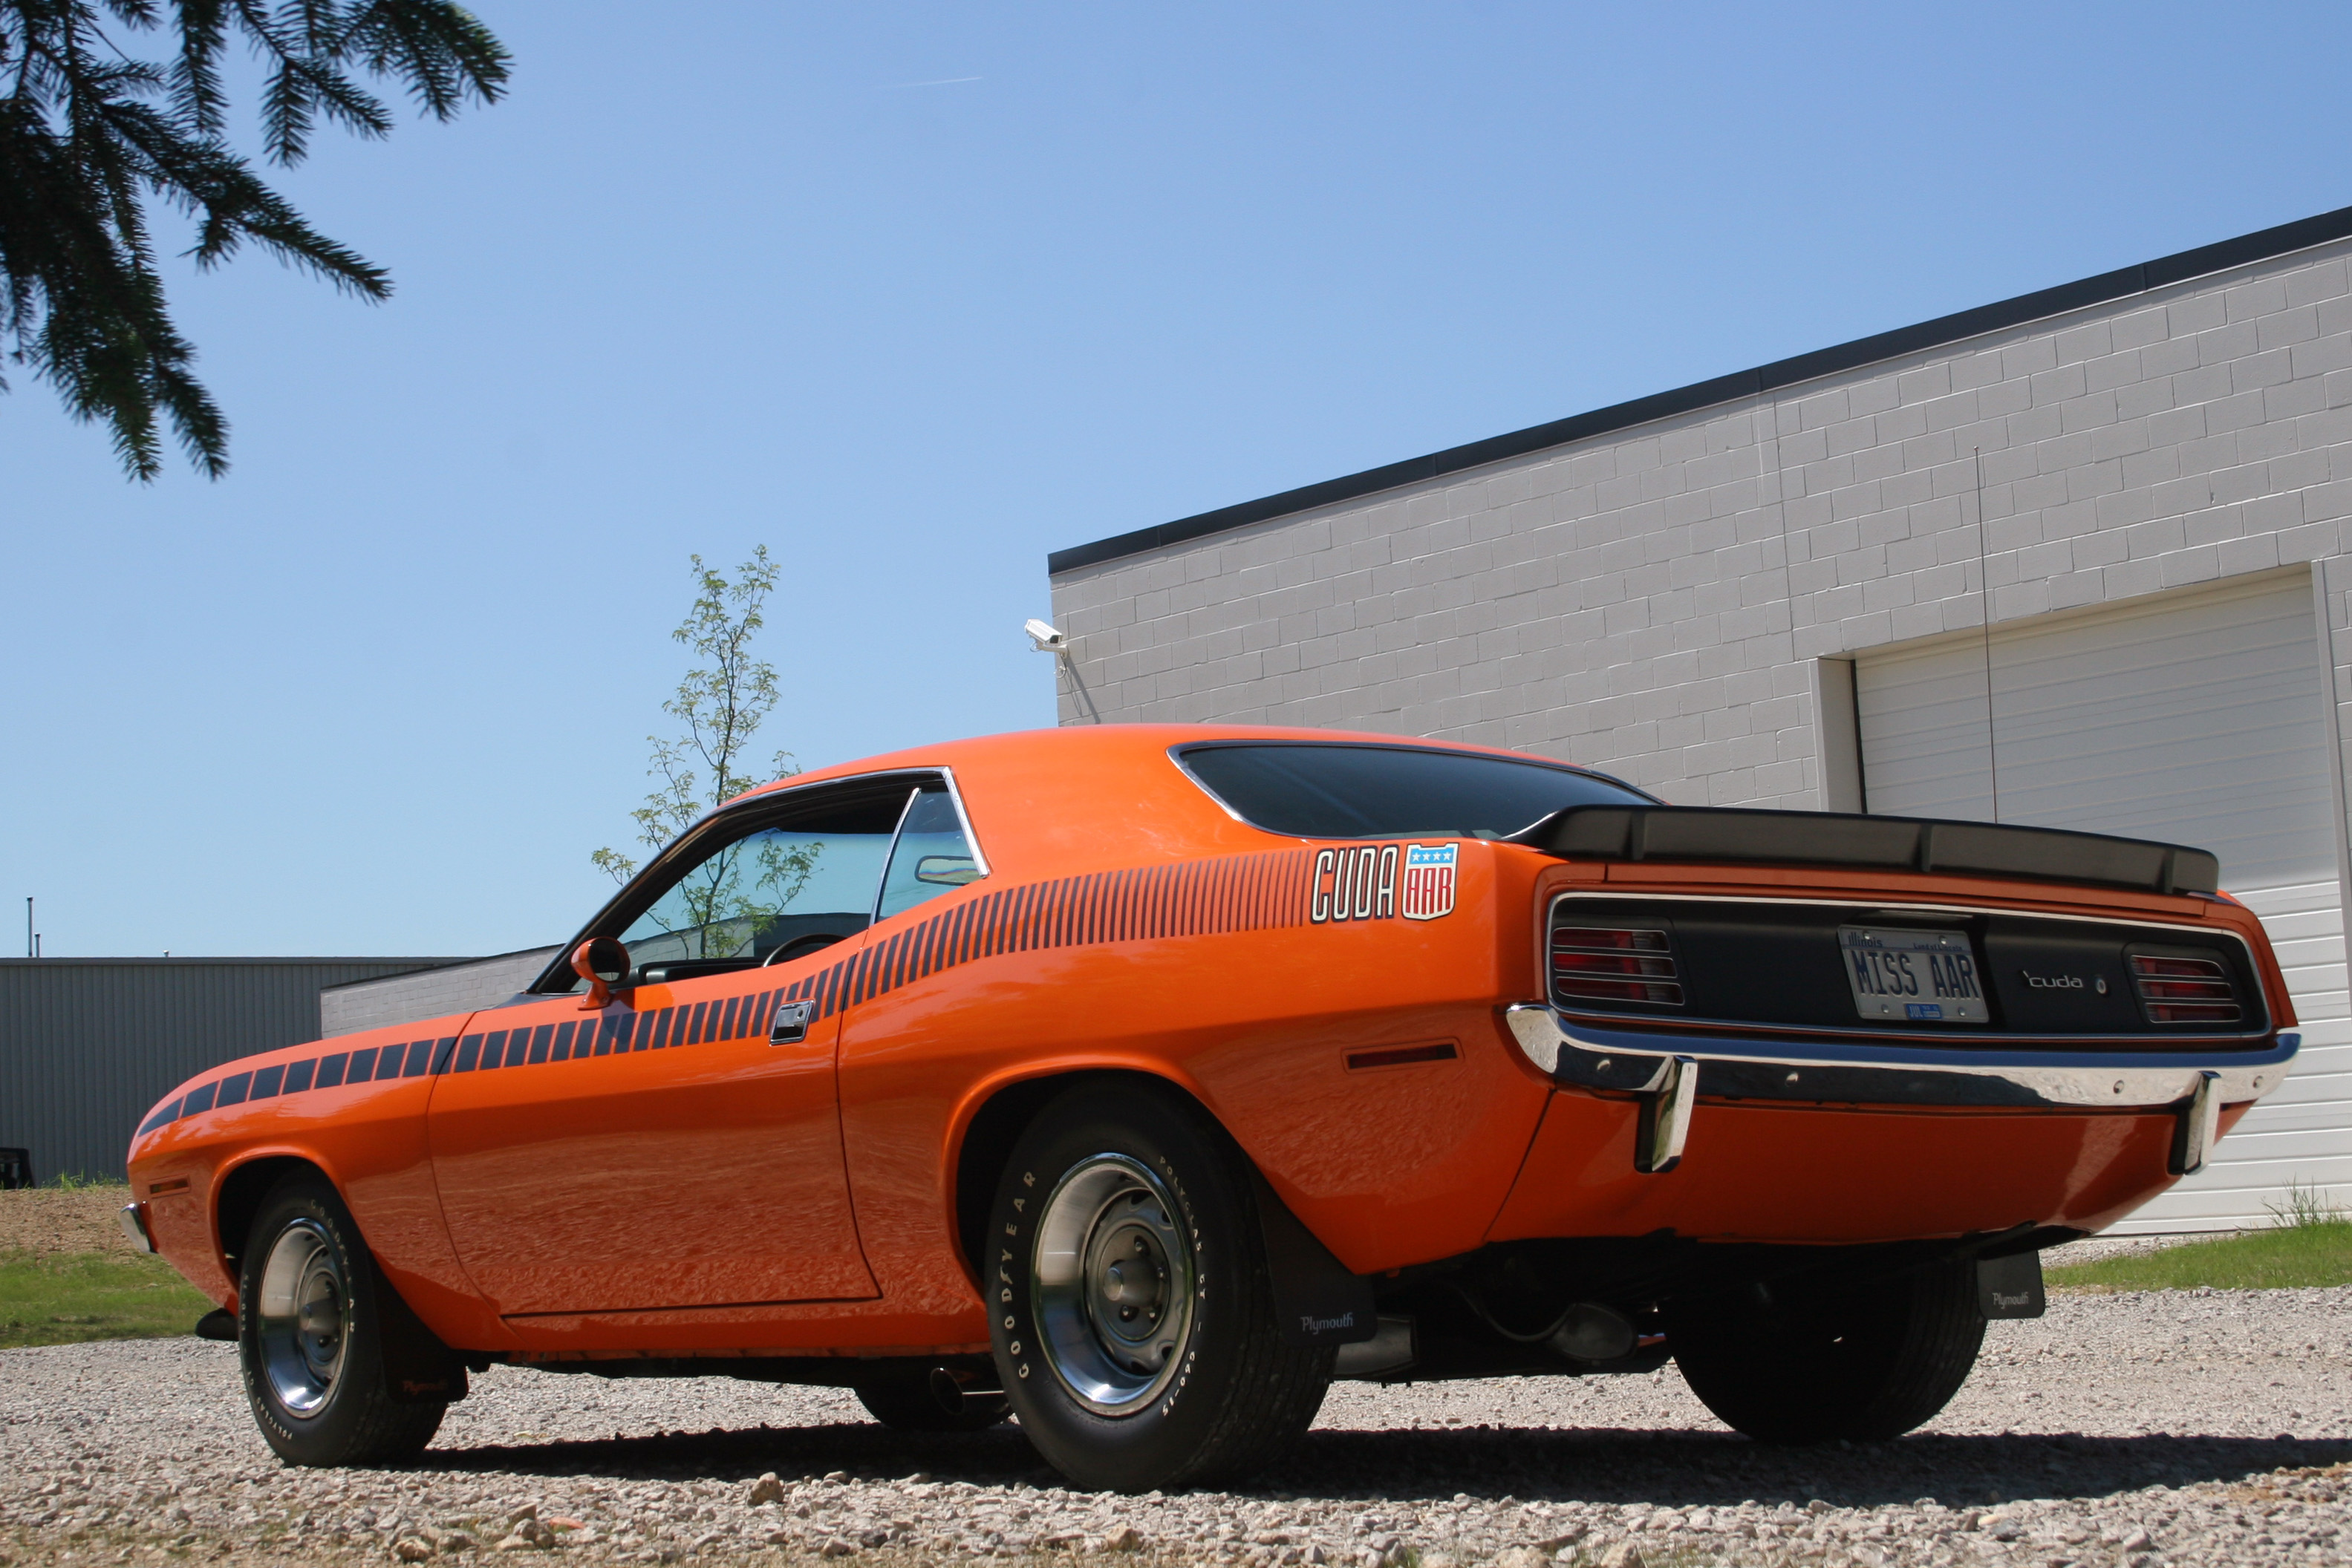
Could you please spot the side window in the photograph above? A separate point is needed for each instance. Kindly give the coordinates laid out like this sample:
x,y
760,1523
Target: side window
x,y
778,890
932,856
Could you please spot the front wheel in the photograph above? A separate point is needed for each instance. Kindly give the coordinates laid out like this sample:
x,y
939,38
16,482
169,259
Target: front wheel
x,y
310,1320
1130,1310
1868,1365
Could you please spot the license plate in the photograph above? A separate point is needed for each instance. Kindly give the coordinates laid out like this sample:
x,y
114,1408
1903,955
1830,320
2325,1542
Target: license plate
x,y
1919,976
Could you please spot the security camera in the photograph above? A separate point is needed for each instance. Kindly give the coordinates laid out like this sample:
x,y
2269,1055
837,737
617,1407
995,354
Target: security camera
x,y
1047,638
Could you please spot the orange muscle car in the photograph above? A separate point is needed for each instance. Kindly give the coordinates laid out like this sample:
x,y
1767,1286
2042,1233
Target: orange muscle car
x,y
1139,1080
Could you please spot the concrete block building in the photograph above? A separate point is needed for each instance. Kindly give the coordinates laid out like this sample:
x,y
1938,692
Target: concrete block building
x,y
2081,559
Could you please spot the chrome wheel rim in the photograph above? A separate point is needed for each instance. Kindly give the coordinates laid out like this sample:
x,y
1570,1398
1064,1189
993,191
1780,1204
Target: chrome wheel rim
x,y
300,1317
1112,1278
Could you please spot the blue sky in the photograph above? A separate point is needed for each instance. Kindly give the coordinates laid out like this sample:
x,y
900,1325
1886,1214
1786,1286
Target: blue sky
x,y
915,294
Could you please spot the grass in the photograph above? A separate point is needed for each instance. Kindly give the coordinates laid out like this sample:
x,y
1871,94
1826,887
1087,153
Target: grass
x,y
2311,1244
66,1298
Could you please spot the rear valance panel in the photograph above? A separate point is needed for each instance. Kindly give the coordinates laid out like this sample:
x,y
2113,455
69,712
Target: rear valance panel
x,y
1887,843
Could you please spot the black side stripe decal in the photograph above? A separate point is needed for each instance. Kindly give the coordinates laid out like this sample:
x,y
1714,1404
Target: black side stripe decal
x,y
1197,898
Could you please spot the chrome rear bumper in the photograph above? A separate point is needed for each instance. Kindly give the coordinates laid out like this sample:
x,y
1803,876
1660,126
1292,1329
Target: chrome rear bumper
x,y
1667,1071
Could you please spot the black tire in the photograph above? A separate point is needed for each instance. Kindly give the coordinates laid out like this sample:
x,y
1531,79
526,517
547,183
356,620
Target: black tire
x,y
927,1399
1190,1378
315,1378
1867,1366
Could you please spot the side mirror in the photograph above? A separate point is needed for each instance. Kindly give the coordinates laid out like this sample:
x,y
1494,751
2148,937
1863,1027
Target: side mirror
x,y
947,871
603,963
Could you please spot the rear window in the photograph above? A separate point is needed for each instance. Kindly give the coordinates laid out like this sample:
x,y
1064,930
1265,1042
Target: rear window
x,y
1391,791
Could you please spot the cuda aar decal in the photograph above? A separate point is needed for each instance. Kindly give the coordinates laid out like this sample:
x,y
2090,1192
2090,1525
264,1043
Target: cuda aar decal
x,y
1356,884
1429,879
1361,883
1196,898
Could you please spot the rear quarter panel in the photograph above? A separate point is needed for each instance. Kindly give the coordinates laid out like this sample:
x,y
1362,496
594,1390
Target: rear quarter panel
x,y
1135,926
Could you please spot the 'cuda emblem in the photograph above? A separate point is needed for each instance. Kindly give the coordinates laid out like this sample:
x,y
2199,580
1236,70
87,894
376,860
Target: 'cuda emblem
x,y
1358,883
1428,880
1363,883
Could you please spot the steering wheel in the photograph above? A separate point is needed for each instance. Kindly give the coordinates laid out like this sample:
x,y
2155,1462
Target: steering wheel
x,y
799,947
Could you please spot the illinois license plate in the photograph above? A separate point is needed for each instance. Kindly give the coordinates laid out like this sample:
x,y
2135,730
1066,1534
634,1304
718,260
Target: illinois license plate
x,y
1928,977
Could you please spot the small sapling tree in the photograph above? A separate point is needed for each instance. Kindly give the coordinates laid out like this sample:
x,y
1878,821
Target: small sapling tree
x,y
730,898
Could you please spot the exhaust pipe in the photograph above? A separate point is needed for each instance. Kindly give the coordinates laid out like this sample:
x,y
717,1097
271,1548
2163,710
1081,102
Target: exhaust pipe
x,y
1590,1332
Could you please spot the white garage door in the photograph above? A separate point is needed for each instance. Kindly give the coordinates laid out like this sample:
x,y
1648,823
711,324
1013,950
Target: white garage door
x,y
2195,717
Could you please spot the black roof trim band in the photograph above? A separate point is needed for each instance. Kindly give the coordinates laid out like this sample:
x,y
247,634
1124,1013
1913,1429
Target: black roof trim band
x,y
2120,284
1885,843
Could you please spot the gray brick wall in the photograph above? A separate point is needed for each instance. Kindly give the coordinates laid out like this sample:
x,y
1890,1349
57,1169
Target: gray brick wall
x,y
1650,602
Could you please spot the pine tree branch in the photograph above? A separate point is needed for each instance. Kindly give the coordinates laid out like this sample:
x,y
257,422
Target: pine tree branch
x,y
91,135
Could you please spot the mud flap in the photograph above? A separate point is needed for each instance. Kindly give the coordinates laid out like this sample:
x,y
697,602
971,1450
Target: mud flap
x,y
417,1367
2011,1287
1315,1299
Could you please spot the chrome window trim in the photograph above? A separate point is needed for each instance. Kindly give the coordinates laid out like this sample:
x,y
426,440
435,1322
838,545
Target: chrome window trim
x,y
1176,756
963,823
955,794
890,856
561,968
1886,1036
963,820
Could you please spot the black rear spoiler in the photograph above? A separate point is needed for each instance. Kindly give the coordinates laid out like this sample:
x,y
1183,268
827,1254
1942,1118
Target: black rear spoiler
x,y
1882,844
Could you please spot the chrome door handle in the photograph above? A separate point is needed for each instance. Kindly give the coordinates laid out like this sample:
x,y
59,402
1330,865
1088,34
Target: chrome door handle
x,y
792,1023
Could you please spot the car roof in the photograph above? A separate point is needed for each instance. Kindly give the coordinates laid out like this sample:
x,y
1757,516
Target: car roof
x,y
1089,796
1077,742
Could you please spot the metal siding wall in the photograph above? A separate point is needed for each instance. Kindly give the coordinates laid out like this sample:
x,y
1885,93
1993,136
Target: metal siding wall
x,y
87,1045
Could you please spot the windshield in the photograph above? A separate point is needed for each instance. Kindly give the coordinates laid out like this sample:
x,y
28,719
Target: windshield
x,y
1338,791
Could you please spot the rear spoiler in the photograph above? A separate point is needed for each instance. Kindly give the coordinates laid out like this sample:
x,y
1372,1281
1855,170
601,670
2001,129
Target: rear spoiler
x,y
1883,844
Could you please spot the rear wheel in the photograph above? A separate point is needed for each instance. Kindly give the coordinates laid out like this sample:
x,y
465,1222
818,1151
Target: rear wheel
x,y
931,1399
1869,1365
1130,1309
311,1315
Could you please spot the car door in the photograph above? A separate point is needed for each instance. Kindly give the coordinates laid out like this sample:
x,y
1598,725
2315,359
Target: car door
x,y
680,1147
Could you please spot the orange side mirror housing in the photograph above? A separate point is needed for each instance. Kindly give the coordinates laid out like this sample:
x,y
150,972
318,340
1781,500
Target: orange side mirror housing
x,y
603,963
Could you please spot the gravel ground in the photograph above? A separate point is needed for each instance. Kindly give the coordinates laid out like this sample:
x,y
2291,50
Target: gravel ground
x,y
2136,1429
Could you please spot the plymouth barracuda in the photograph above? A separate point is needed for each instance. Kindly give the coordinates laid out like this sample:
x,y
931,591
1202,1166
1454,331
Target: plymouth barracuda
x,y
1136,1082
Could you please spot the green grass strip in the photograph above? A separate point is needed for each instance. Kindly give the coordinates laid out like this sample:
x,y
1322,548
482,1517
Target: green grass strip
x,y
2310,1254
66,1298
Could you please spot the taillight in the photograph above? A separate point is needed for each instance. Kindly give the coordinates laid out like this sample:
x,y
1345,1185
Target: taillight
x,y
1611,964
2185,991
